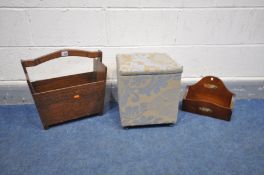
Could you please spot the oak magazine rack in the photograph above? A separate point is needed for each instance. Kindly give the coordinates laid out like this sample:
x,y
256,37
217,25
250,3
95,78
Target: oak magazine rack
x,y
209,97
69,97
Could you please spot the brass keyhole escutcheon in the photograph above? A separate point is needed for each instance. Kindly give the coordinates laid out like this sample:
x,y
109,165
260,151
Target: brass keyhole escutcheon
x,y
210,86
76,96
205,109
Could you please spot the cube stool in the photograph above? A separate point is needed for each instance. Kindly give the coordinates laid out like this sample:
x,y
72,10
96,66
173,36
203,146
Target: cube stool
x,y
148,88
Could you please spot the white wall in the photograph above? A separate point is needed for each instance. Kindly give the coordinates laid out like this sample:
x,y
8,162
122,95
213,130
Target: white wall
x,y
224,38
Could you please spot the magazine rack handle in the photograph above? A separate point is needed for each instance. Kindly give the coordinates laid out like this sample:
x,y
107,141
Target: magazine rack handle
x,y
61,53
212,86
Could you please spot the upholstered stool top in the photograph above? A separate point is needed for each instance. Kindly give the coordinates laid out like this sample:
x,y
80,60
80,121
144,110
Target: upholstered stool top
x,y
146,63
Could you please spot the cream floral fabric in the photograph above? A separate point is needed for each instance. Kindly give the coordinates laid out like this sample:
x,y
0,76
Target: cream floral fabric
x,y
147,63
148,99
148,89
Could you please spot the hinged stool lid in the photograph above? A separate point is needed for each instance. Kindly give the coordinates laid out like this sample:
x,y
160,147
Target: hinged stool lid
x,y
147,63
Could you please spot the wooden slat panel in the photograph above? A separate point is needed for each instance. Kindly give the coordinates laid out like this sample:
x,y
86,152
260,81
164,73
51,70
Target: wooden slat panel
x,y
62,82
